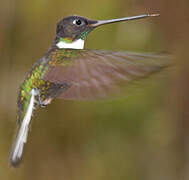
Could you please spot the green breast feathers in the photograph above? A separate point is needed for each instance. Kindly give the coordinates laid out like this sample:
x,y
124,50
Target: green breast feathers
x,y
35,79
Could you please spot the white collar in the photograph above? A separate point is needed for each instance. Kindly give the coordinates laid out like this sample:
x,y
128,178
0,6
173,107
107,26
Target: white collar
x,y
78,44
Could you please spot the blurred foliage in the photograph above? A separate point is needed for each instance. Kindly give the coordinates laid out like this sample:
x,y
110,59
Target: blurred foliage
x,y
142,135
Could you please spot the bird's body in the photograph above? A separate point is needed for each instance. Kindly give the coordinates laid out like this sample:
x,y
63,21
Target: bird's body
x,y
70,72
35,80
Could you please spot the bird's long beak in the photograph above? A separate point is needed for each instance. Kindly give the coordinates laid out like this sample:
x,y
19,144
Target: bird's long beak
x,y
102,22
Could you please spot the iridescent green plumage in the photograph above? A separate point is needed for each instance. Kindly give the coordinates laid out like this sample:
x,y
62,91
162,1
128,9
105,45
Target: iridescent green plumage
x,y
34,79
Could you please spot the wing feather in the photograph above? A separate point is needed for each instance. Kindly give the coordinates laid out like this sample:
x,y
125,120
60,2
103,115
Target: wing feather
x,y
97,73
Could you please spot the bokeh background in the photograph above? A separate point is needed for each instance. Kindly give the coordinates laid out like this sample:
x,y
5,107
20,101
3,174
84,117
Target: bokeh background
x,y
143,135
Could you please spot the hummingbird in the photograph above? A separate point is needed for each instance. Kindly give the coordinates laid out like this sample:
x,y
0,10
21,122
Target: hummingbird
x,y
68,71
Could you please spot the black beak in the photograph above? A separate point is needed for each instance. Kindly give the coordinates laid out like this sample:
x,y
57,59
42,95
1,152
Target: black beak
x,y
102,22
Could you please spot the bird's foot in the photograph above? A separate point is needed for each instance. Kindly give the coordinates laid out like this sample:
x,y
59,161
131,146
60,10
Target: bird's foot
x,y
38,99
41,103
45,102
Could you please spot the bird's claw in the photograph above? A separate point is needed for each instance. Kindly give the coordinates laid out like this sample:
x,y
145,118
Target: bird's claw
x,y
39,102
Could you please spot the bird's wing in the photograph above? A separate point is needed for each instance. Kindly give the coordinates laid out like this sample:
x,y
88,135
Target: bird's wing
x,y
97,73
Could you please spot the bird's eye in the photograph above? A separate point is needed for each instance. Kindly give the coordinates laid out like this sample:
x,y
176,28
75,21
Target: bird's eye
x,y
78,22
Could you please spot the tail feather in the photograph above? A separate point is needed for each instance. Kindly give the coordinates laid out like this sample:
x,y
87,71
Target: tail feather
x,y
21,138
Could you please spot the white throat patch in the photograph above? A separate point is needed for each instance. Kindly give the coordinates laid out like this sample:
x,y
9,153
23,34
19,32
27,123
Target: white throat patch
x,y
78,44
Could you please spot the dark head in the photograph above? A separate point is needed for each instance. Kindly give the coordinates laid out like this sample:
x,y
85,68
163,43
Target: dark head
x,y
73,28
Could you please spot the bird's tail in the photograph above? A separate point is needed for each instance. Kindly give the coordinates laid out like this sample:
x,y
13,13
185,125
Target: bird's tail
x,y
21,138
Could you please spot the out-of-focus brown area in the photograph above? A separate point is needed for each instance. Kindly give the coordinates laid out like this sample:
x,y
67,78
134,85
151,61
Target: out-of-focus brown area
x,y
142,135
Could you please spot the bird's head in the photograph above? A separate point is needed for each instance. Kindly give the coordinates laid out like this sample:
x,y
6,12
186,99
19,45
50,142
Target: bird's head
x,y
72,31
73,28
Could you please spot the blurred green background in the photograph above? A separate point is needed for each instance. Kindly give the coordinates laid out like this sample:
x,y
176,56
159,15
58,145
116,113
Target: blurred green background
x,y
140,136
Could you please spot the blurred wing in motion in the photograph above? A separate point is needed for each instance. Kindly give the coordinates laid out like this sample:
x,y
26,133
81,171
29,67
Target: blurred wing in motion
x,y
97,73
